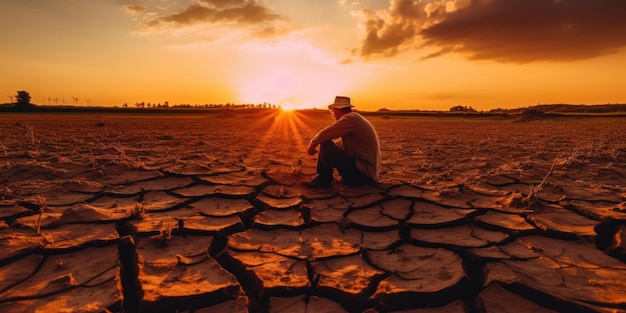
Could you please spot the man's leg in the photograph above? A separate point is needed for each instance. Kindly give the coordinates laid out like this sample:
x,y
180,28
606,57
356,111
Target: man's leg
x,y
331,157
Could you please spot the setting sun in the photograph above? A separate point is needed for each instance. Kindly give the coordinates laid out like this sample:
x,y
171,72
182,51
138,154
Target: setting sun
x,y
288,106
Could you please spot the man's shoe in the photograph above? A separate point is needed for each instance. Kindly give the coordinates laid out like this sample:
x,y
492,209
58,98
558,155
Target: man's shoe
x,y
317,182
356,183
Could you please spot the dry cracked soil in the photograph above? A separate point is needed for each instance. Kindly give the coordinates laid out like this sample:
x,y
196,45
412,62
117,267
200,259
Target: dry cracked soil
x,y
130,213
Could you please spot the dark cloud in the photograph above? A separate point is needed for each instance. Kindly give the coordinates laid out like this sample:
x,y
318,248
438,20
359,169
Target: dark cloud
x,y
213,11
502,30
194,14
385,35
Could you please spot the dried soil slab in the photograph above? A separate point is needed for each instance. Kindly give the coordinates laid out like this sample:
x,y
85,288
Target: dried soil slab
x,y
189,169
287,178
60,199
180,274
582,190
454,307
243,179
379,240
279,203
574,273
85,213
519,187
486,190
282,191
452,197
154,201
467,236
82,185
201,190
239,305
495,299
18,271
420,276
371,219
158,222
406,191
159,184
113,203
17,242
128,177
13,211
74,236
45,219
74,272
276,274
222,206
601,209
100,297
328,210
366,200
432,215
303,305
512,203
269,219
560,220
491,253
490,202
508,223
358,192
346,278
397,209
225,168
499,180
210,225
317,242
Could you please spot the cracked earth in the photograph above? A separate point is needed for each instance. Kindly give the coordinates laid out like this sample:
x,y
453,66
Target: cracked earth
x,y
206,214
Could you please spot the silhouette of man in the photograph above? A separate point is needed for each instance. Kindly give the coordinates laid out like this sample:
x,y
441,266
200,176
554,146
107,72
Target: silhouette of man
x,y
356,157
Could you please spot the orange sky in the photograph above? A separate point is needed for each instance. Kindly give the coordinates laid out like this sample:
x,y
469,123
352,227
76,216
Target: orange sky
x,y
396,54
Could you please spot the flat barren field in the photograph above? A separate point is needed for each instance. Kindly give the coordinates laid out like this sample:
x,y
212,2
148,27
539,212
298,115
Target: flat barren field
x,y
206,213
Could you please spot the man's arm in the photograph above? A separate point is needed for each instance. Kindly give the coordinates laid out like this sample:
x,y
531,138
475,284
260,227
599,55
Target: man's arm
x,y
339,128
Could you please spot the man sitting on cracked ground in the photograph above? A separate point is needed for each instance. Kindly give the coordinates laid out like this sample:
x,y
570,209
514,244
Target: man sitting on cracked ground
x,y
356,157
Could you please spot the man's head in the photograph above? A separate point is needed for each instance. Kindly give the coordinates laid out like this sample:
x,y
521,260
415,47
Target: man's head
x,y
340,107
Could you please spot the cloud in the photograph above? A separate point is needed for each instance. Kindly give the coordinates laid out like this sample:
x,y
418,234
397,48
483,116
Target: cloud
x,y
136,8
219,11
515,31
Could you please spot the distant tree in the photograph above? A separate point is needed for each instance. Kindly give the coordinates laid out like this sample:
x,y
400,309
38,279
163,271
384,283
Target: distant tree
x,y
23,99
460,108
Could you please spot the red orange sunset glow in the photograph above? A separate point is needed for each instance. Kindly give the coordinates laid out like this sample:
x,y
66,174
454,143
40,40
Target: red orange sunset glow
x,y
396,54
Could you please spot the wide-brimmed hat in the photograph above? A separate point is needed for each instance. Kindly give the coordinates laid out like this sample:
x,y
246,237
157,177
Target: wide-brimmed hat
x,y
340,103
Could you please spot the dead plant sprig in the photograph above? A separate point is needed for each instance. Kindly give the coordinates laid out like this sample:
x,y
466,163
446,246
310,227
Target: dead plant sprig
x,y
30,133
531,199
5,150
138,211
163,236
42,207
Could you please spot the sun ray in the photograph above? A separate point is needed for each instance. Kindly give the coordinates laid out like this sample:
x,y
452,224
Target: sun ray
x,y
284,140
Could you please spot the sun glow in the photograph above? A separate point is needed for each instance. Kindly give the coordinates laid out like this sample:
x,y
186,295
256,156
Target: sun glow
x,y
292,73
288,106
